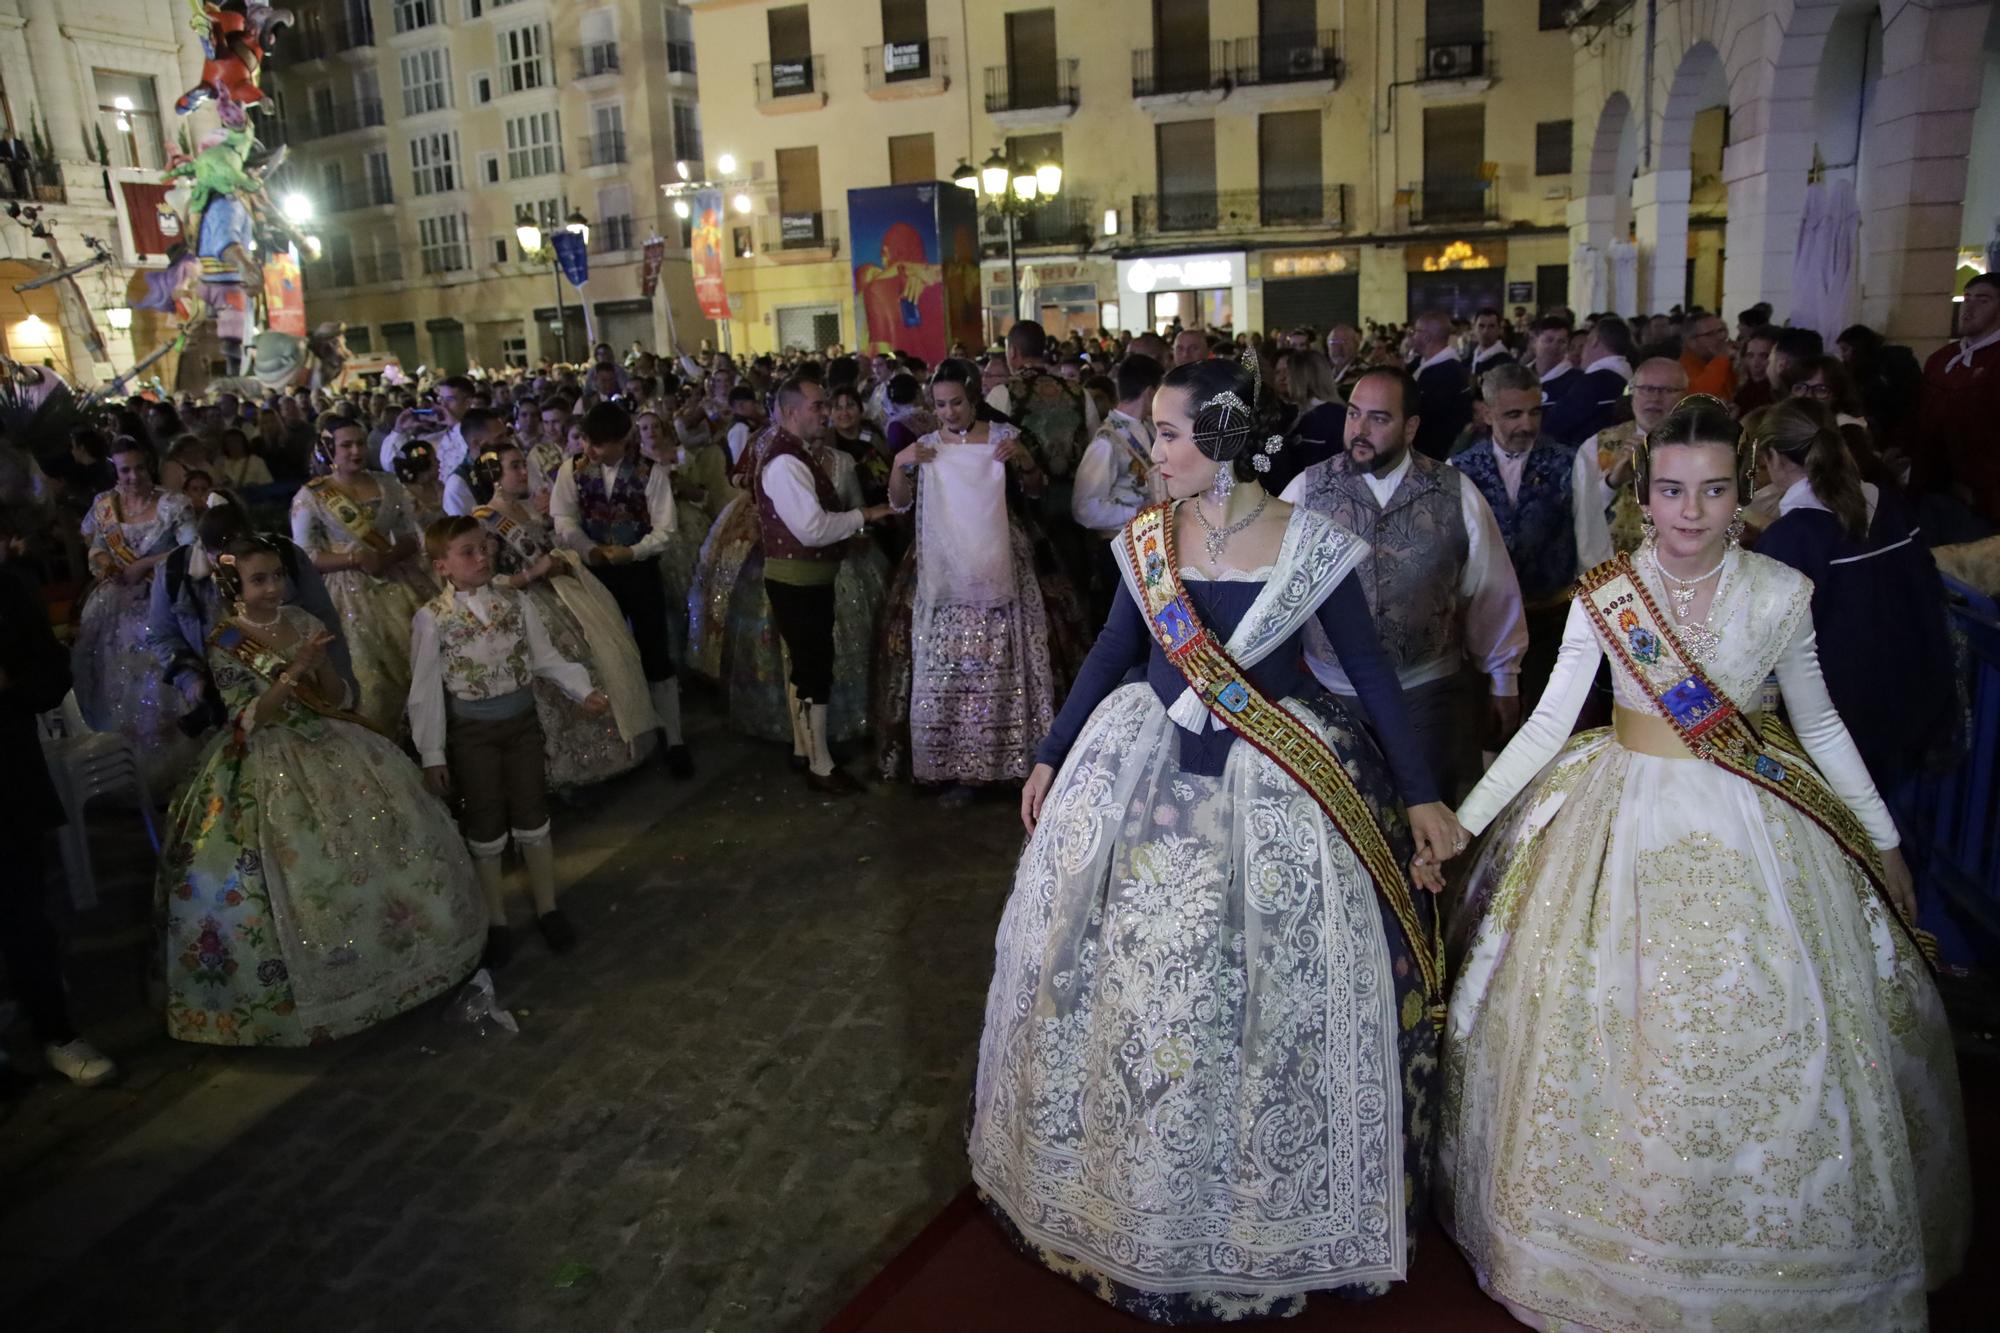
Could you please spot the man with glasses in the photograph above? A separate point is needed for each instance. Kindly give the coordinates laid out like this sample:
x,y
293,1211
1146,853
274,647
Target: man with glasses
x,y
1705,356
1657,385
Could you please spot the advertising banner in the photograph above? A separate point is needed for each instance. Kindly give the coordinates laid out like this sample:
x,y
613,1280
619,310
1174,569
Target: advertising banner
x,y
705,254
649,276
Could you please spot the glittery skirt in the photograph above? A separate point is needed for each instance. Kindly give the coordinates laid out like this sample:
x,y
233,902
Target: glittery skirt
x,y
1207,1077
677,570
375,616
583,749
119,686
1696,1075
310,888
717,571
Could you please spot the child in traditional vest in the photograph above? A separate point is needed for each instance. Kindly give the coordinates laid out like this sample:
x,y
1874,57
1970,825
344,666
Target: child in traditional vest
x,y
616,509
475,650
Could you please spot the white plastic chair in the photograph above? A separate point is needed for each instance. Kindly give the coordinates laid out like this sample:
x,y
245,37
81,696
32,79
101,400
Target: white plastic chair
x,y
86,764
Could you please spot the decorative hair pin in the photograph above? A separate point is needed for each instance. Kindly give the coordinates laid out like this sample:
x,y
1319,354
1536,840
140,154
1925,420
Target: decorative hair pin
x,y
1261,460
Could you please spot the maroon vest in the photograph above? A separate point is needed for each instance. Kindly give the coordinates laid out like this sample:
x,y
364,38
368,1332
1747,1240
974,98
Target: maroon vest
x,y
779,543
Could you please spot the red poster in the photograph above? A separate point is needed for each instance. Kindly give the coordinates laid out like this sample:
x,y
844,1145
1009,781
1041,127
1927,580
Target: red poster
x,y
649,276
284,298
154,227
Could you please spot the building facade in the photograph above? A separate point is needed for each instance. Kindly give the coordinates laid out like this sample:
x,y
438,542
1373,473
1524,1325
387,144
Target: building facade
x,y
86,87
423,131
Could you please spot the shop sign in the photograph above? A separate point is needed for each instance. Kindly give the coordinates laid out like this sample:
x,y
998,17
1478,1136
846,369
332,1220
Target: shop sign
x,y
1520,293
1182,273
1310,263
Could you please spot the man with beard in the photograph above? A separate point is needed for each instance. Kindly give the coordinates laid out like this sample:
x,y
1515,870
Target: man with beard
x,y
1437,577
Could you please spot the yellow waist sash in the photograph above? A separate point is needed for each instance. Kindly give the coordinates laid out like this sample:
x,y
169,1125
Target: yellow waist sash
x,y
1644,733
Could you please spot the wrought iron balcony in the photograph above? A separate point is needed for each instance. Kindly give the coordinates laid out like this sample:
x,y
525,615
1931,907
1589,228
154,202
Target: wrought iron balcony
x,y
905,62
343,118
1169,71
355,270
783,232
1453,199
361,194
1067,220
352,35
1443,59
606,148
1241,211
780,79
1290,57
596,59
1031,89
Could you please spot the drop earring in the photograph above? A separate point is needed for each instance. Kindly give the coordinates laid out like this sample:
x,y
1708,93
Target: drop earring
x,y
1225,482
1647,526
1735,533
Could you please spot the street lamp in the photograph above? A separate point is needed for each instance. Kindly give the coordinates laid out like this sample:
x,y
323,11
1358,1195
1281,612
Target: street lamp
x,y
298,209
1012,191
529,237
577,225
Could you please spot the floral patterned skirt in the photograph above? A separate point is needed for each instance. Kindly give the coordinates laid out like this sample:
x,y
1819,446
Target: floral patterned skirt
x,y
311,887
119,686
1696,1076
1207,1077
375,615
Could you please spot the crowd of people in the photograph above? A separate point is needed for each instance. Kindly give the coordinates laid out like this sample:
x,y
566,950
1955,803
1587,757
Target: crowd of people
x,y
1234,1047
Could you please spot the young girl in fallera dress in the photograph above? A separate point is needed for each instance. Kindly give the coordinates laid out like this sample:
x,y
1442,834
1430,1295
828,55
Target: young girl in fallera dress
x,y
1698,1075
360,529
311,887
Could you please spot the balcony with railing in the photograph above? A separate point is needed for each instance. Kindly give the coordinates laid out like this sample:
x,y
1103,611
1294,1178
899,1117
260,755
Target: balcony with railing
x,y
606,148
907,69
350,34
1181,71
354,270
1453,200
341,118
799,235
680,57
597,60
356,195
1315,207
1026,91
33,181
1277,59
1067,220
300,45
688,146
1455,59
791,85
615,235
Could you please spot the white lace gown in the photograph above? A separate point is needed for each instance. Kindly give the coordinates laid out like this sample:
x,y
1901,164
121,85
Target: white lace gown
x,y
1697,1076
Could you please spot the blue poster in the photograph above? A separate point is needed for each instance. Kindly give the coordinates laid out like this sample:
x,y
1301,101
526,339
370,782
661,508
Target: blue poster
x,y
572,256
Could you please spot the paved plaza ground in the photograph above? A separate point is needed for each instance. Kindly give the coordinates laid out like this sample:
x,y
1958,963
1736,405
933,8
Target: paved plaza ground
x,y
732,1104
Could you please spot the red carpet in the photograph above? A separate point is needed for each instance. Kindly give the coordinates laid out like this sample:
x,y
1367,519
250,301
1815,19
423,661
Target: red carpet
x,y
960,1274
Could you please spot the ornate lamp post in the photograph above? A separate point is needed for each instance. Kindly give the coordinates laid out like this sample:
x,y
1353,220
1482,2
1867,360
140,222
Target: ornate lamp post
x,y
1011,190
528,236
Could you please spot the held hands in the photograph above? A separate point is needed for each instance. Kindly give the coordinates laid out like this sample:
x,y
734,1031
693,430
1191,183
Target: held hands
x,y
1010,451
1439,837
610,555
437,781
1901,885
1033,792
876,513
597,705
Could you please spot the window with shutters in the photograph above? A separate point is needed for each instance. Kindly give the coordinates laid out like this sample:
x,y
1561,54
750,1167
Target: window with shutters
x,y
912,158
524,58
426,81
1552,145
414,14
1289,177
441,243
687,131
1186,163
533,148
434,162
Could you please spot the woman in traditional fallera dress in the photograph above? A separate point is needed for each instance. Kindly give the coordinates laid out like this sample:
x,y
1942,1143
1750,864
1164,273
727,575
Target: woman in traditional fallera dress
x,y
360,529
677,562
311,887
119,685
583,622
1698,1075
1207,1078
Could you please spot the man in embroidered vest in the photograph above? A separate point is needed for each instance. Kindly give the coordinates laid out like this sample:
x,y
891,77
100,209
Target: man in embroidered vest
x,y
1438,580
1058,418
617,510
1443,386
805,534
1657,384
1117,477
475,651
1548,499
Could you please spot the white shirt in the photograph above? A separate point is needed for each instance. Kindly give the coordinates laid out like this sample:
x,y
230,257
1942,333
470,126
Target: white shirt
x,y
1496,626
1482,355
1799,495
789,483
1105,496
1448,354
448,444
739,440
1586,482
1617,363
1963,357
566,510
427,706
458,496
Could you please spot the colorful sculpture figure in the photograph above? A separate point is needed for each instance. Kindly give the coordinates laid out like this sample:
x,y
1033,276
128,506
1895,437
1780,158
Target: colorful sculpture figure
x,y
234,34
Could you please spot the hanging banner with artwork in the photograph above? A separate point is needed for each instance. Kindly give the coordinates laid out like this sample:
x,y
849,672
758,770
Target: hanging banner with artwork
x,y
649,275
916,267
705,254
284,297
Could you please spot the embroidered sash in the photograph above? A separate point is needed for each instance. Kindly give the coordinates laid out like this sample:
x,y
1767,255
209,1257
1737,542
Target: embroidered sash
x,y
1715,729
351,517
1223,688
111,527
266,664
1140,462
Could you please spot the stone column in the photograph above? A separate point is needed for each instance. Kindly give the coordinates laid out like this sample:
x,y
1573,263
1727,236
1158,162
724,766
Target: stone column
x,y
56,99
1660,219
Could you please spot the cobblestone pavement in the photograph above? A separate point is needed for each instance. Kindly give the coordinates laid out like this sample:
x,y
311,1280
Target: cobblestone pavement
x,y
738,1097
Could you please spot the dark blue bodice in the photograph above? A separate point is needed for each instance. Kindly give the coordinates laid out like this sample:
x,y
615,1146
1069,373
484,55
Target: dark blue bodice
x,y
1125,652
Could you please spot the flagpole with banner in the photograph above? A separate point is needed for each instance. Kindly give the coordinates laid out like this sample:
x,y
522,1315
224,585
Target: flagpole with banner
x,y
573,258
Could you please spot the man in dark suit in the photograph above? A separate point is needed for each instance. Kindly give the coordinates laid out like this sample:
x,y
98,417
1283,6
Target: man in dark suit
x,y
1444,388
1487,350
1596,398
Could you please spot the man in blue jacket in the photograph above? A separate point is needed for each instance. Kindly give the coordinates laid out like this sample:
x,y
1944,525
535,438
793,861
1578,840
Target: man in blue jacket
x,y
1596,398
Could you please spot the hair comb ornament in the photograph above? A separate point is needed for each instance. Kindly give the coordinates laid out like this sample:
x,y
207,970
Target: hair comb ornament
x,y
1262,460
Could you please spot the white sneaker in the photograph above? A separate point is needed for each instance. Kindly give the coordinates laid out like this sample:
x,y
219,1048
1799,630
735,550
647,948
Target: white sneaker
x,y
80,1063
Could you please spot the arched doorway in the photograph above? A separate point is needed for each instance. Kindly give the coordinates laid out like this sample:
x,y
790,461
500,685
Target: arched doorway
x,y
1614,160
1694,127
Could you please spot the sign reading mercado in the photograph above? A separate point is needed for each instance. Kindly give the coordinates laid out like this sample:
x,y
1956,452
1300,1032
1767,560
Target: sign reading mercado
x,y
705,254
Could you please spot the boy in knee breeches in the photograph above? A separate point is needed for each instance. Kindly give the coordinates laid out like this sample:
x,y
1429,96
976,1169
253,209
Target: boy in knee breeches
x,y
474,653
